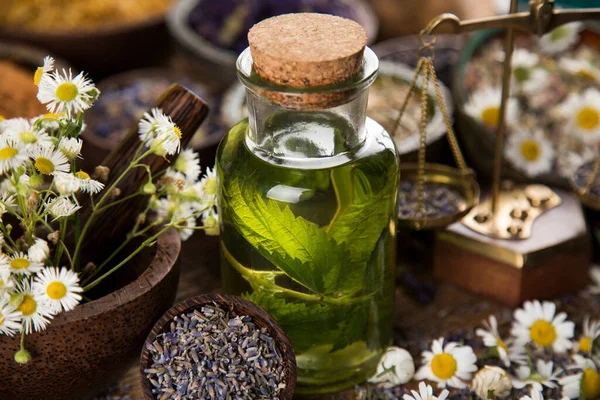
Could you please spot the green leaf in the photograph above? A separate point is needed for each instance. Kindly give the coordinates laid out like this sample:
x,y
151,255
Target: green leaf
x,y
299,248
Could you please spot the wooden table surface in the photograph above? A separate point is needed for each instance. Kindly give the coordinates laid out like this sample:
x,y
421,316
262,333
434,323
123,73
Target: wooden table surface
x,y
451,310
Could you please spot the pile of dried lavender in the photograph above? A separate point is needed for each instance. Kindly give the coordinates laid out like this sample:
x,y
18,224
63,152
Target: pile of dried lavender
x,y
214,354
439,200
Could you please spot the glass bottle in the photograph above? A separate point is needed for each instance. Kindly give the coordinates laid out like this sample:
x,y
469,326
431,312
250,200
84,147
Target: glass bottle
x,y
308,208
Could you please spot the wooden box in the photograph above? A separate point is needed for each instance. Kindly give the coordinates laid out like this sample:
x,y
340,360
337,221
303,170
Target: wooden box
x,y
553,261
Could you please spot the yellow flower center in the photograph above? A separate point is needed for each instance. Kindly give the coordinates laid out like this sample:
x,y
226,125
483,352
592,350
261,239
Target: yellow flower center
x,y
7,153
28,305
52,115
82,175
38,75
586,73
588,118
210,187
490,116
1,319
443,366
2,118
2,283
28,137
500,343
44,165
590,384
542,333
56,290
530,150
585,344
177,131
66,91
19,263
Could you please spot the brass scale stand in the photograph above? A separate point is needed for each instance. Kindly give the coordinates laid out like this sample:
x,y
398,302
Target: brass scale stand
x,y
479,258
503,215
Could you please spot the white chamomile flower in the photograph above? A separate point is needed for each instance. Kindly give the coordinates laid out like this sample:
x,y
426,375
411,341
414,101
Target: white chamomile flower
x,y
529,152
62,92
59,288
591,332
67,184
582,112
210,220
87,184
396,367
561,38
149,123
484,106
61,207
10,319
186,221
208,186
39,251
168,137
36,313
507,351
584,384
448,365
50,121
595,278
537,323
492,379
23,133
7,284
6,201
581,68
49,161
70,147
188,163
46,68
425,393
20,264
543,375
11,154
527,75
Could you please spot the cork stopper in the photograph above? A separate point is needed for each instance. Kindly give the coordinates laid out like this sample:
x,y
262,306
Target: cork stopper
x,y
307,49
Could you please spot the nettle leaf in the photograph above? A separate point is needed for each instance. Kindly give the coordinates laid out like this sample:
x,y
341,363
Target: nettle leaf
x,y
365,218
298,247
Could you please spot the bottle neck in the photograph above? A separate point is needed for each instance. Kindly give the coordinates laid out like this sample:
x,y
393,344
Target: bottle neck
x,y
281,132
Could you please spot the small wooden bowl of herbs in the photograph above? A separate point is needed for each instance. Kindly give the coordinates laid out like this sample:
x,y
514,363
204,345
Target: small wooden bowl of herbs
x,y
219,347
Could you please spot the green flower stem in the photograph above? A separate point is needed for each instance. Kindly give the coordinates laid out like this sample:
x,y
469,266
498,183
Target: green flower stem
x,y
106,195
265,281
114,203
148,242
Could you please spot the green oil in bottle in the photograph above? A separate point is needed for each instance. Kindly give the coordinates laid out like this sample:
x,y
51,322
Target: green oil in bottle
x,y
308,233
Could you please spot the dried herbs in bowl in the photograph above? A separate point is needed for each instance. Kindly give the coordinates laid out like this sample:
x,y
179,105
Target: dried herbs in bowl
x,y
217,347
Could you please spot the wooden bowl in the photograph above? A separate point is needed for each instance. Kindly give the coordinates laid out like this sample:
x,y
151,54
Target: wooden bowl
x,y
104,50
178,24
86,350
241,307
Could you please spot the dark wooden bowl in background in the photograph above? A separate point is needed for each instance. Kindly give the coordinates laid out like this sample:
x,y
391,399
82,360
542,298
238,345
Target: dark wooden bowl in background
x,y
85,350
102,51
241,307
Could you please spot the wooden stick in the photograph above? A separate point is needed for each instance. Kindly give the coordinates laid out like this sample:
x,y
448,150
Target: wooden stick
x,y
188,112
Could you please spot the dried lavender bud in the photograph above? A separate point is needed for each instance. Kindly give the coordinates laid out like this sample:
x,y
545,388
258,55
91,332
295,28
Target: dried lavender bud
x,y
211,353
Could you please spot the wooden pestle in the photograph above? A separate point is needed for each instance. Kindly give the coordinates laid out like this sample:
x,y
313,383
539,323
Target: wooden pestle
x,y
188,111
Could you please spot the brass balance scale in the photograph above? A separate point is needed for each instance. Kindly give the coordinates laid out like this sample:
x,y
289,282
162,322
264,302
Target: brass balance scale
x,y
494,250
